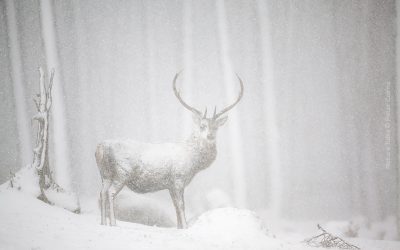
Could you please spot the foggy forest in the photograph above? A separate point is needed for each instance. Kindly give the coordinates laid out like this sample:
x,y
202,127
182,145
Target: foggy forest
x,y
289,108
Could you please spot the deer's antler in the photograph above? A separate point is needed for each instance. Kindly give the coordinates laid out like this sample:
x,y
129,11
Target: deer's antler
x,y
216,115
177,94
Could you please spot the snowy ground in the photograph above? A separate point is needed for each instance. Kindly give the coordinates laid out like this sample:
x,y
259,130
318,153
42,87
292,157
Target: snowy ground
x,y
27,223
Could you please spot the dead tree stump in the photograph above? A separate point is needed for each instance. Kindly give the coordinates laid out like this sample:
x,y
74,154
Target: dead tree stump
x,y
43,102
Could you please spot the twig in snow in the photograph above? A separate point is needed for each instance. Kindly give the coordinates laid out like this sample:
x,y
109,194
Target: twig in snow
x,y
328,240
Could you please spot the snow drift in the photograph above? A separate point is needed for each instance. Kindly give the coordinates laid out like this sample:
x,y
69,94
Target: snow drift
x,y
28,223
229,224
26,180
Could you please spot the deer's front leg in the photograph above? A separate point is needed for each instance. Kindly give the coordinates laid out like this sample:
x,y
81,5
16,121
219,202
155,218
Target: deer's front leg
x,y
179,203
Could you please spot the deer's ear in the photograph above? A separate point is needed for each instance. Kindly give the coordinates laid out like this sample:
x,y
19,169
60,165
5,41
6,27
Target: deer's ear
x,y
196,118
221,121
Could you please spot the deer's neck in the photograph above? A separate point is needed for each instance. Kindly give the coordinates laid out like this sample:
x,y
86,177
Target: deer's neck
x,y
203,152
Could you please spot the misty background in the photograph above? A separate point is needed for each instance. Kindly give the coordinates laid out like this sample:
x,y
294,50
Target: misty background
x,y
314,136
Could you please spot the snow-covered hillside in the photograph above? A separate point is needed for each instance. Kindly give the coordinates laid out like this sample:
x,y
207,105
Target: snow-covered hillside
x,y
27,223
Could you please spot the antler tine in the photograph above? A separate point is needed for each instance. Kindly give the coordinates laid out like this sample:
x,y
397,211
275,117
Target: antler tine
x,y
215,112
177,94
232,105
205,113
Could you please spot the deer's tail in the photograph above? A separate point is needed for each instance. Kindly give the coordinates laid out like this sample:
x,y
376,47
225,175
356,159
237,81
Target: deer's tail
x,y
103,160
99,155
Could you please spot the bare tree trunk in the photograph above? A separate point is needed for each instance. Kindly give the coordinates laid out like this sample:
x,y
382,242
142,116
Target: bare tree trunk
x,y
43,103
187,59
61,174
19,95
45,186
398,111
267,75
150,71
239,183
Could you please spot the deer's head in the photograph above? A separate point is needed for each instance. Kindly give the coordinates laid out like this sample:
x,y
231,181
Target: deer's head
x,y
207,127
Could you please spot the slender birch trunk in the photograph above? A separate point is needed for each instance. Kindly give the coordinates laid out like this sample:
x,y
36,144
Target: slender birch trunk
x,y
267,75
239,183
187,59
398,111
151,72
17,78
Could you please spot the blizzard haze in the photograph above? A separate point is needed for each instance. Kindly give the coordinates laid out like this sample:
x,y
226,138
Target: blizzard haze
x,y
314,137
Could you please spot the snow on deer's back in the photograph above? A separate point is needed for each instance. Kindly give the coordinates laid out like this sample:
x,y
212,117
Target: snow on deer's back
x,y
145,166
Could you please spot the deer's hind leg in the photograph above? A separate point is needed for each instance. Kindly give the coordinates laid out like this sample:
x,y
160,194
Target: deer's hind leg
x,y
111,197
104,194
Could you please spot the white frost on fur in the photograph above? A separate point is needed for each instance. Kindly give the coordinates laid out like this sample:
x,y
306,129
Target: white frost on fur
x,y
145,167
154,154
160,154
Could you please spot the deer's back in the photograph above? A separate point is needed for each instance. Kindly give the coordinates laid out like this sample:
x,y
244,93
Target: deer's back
x,y
144,167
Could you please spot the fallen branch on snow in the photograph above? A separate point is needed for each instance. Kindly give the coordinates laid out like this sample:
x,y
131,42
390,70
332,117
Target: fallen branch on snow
x,y
328,240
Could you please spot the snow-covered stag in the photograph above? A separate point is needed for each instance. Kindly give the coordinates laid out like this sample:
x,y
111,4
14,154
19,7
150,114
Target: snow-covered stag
x,y
145,167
